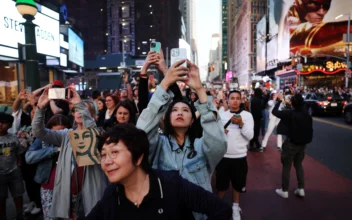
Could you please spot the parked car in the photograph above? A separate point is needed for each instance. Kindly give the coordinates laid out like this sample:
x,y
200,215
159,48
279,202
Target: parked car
x,y
318,103
347,113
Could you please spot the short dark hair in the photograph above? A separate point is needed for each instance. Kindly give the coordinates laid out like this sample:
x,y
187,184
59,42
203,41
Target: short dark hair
x,y
58,119
234,91
95,94
114,98
297,101
136,141
127,105
6,118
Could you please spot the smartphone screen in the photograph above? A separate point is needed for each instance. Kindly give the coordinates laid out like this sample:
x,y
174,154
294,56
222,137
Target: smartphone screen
x,y
155,46
58,93
29,89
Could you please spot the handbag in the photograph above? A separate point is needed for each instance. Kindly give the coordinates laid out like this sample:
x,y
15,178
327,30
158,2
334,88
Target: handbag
x,y
78,207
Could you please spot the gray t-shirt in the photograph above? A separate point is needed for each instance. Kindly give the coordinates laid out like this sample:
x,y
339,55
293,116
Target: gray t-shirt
x,y
9,149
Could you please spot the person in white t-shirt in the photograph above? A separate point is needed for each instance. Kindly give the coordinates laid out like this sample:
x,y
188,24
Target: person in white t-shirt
x,y
239,129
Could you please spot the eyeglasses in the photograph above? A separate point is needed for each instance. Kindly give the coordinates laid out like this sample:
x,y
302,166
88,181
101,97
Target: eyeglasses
x,y
111,153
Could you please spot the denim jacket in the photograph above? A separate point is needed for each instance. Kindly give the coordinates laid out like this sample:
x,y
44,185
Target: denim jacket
x,y
165,153
43,155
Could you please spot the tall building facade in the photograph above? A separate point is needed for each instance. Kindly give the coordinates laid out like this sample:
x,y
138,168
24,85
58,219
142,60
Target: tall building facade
x,y
224,36
247,14
214,58
117,26
89,18
121,26
188,13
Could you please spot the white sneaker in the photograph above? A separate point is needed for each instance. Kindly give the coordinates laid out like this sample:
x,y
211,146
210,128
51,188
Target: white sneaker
x,y
282,193
35,211
300,192
236,213
262,149
30,207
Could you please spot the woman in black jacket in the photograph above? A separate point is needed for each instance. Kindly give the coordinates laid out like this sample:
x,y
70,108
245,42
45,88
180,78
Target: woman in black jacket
x,y
102,111
138,192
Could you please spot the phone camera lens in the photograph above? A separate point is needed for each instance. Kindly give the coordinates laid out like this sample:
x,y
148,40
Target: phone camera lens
x,y
153,44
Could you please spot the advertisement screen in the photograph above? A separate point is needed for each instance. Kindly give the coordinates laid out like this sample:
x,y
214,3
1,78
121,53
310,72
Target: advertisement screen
x,y
261,45
309,27
76,48
12,31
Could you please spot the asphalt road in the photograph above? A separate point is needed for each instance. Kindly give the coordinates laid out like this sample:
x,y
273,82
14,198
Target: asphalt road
x,y
332,144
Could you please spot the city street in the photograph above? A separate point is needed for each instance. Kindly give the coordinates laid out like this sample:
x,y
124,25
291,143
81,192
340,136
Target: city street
x,y
328,173
328,178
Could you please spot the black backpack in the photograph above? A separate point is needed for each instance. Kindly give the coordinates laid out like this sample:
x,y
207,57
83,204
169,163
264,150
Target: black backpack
x,y
302,128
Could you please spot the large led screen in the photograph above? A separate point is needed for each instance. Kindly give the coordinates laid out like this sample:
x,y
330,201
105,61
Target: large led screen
x,y
261,44
309,27
76,48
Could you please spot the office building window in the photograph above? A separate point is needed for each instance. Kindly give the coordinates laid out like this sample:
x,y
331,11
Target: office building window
x,y
125,11
254,3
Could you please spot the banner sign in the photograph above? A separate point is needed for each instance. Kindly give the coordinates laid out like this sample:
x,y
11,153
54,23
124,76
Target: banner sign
x,y
47,32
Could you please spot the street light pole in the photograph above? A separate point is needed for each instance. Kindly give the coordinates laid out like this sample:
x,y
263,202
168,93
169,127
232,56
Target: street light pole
x,y
28,9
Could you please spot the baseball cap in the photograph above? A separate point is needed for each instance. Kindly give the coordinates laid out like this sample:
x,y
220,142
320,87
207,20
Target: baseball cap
x,y
7,118
58,83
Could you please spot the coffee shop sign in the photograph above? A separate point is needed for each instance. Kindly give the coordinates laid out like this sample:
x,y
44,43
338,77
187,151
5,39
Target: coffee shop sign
x,y
331,66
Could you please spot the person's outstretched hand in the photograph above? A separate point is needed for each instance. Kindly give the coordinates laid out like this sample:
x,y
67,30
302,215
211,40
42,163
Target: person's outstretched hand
x,y
193,80
44,100
176,72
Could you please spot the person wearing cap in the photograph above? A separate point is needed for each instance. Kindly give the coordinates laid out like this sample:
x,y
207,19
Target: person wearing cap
x,y
57,106
10,174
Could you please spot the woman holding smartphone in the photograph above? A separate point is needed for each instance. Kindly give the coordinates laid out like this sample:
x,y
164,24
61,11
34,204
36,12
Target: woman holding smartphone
x,y
90,182
178,149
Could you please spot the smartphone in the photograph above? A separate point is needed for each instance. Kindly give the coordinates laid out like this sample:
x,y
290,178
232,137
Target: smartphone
x,y
29,89
155,46
178,54
237,115
58,93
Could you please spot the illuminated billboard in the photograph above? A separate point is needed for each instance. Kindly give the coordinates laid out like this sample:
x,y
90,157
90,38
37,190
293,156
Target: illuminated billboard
x,y
261,45
309,27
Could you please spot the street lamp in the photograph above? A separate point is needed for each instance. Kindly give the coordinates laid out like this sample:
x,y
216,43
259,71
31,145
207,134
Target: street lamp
x,y
28,9
348,45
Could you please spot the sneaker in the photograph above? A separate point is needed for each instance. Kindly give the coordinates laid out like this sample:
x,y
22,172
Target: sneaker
x,y
236,213
279,148
282,193
30,207
300,192
35,211
262,149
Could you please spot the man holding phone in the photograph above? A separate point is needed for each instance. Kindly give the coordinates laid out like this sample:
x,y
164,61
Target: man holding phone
x,y
239,129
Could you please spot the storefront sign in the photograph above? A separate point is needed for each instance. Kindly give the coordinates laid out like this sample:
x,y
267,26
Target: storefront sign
x,y
76,50
331,66
47,32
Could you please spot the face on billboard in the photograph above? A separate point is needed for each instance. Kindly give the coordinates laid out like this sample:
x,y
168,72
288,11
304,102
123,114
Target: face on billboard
x,y
12,31
309,27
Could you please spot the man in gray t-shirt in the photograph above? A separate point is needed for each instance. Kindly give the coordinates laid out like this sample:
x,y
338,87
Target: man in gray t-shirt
x,y
10,174
9,152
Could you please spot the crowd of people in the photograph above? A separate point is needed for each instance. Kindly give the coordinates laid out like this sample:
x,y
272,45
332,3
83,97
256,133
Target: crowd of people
x,y
158,147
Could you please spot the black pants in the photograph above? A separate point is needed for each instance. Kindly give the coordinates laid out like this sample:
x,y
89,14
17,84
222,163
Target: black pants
x,y
292,153
255,140
32,188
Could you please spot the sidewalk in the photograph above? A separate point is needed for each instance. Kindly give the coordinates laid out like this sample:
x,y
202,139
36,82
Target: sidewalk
x,y
328,195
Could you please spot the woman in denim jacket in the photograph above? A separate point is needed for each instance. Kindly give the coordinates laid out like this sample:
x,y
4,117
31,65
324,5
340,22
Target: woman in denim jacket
x,y
194,158
45,156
